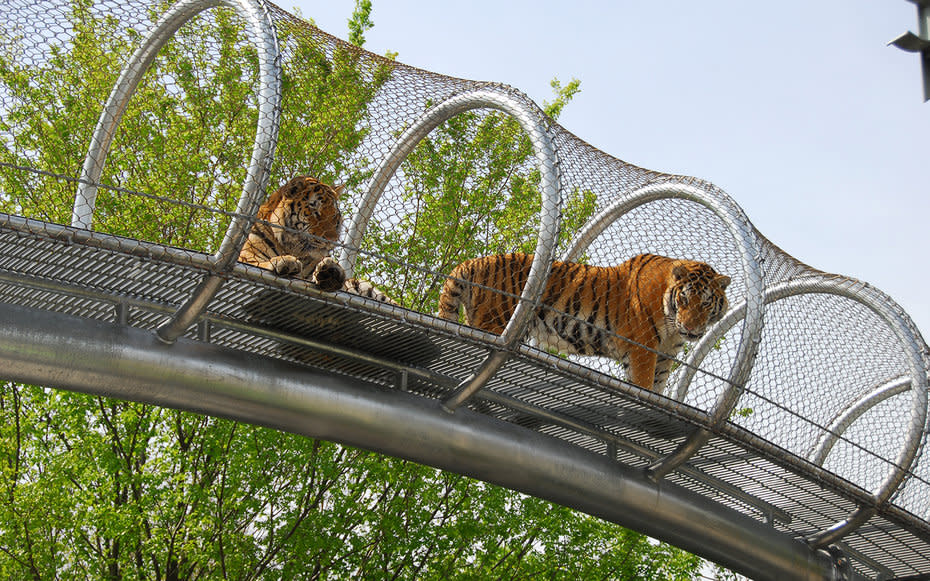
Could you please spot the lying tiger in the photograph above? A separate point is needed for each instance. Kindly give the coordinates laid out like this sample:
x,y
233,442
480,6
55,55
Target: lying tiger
x,y
297,228
655,301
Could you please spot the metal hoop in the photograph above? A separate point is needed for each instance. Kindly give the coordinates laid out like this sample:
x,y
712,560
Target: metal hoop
x,y
882,306
261,29
534,125
738,225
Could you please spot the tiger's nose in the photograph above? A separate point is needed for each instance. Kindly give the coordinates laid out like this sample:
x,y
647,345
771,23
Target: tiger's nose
x,y
693,331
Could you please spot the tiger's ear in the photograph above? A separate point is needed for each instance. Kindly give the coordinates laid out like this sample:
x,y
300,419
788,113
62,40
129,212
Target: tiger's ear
x,y
339,189
294,187
723,280
680,271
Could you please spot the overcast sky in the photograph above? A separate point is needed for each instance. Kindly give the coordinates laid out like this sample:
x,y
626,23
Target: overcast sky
x,y
797,109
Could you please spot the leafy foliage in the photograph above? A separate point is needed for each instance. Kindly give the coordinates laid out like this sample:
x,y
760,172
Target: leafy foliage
x,y
195,112
471,189
360,22
97,488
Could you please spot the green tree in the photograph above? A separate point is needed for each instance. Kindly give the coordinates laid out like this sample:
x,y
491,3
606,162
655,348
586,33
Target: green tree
x,y
97,488
195,113
360,22
471,188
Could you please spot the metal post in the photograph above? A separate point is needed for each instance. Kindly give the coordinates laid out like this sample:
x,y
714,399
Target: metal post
x,y
920,42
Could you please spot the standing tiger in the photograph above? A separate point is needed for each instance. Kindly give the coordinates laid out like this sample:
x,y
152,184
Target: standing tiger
x,y
297,228
655,301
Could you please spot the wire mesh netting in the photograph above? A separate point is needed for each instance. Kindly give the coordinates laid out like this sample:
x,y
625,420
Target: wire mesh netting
x,y
428,173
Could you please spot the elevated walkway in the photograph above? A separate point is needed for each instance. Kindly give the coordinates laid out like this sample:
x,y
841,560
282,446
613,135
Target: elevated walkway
x,y
788,445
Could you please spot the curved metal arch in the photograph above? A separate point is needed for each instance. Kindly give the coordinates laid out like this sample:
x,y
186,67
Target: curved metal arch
x,y
536,128
262,31
738,225
882,306
847,417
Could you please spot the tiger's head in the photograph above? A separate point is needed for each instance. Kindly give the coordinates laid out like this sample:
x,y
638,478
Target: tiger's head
x,y
307,213
695,299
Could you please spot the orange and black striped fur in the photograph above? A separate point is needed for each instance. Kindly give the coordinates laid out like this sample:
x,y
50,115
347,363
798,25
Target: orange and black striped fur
x,y
297,228
654,301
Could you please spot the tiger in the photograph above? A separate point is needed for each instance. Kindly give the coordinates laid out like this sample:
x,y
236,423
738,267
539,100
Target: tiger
x,y
296,229
363,288
639,312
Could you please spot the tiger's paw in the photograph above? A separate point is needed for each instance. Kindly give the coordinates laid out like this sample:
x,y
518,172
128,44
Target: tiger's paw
x,y
328,275
286,265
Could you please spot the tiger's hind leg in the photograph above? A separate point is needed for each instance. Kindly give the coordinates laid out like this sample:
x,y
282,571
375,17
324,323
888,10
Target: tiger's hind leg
x,y
328,275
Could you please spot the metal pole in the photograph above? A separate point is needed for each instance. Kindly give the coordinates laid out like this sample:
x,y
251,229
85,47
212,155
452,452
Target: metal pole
x,y
920,42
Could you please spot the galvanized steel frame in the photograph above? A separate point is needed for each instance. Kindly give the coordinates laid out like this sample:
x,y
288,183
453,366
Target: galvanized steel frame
x,y
119,361
535,125
887,310
116,361
260,29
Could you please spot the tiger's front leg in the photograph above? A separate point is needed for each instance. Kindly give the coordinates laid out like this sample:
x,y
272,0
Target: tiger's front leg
x,y
328,275
643,367
664,367
286,265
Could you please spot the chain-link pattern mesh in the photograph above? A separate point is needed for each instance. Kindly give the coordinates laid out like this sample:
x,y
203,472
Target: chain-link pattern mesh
x,y
192,152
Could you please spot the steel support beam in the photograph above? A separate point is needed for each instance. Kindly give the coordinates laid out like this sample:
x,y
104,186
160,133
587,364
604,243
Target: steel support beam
x,y
117,361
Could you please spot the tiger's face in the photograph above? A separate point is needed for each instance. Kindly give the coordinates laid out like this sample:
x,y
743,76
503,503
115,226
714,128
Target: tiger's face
x,y
696,298
309,211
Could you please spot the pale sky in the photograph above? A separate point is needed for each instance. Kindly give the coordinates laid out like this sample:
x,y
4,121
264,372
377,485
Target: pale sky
x,y
797,109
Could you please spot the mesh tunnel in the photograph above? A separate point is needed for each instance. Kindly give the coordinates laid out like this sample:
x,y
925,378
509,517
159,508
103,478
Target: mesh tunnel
x,y
138,140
